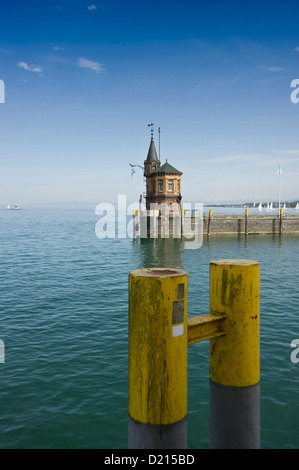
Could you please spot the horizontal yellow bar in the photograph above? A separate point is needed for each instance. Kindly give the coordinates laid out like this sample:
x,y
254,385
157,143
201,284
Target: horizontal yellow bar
x,y
205,327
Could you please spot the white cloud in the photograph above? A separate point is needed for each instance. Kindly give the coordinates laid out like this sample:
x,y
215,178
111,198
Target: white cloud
x,y
57,48
30,68
296,49
90,64
92,7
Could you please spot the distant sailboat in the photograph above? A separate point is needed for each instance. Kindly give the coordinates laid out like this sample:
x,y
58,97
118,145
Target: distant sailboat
x,y
284,206
297,206
8,207
260,208
16,207
271,206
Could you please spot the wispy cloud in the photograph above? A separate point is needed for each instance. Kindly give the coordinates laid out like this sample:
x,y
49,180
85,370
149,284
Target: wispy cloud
x,y
270,69
30,68
296,49
90,64
274,69
236,158
58,48
5,51
271,159
288,152
92,7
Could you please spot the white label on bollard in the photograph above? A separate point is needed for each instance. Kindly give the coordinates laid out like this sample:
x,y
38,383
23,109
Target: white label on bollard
x,y
177,330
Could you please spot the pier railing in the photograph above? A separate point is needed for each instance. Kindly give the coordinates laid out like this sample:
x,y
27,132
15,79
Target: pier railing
x,y
160,334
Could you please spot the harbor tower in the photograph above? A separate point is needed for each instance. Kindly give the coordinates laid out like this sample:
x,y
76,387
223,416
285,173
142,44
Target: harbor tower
x,y
163,182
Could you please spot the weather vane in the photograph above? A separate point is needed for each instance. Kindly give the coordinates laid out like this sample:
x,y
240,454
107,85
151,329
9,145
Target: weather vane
x,y
152,129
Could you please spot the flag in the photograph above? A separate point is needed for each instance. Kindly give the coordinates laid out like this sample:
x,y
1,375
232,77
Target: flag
x,y
132,173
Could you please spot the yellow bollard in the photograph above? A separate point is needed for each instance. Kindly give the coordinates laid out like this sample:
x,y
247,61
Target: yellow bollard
x,y
235,357
158,358
182,222
246,221
134,224
209,222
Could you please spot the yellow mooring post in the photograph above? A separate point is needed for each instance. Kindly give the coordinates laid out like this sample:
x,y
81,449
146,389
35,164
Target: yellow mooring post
x,y
134,224
158,359
209,222
246,221
235,356
280,221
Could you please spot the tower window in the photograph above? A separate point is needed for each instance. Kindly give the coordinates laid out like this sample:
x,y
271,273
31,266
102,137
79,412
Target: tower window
x,y
160,186
170,185
178,186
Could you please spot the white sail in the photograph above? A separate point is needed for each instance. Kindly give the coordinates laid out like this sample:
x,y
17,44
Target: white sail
x,y
260,208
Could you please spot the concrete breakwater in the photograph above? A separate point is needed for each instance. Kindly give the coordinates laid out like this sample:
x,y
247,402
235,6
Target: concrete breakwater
x,y
256,224
218,224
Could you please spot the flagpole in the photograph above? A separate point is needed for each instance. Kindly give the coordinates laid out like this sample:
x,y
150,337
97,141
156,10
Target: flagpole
x,y
159,144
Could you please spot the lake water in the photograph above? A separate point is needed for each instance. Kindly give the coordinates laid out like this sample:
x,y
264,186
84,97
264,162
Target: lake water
x,y
64,323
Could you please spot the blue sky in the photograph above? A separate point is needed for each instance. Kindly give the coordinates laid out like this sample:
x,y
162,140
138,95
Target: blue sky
x,y
83,79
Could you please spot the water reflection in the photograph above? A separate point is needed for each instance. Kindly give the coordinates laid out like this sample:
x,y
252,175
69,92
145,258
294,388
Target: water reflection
x,y
159,252
172,252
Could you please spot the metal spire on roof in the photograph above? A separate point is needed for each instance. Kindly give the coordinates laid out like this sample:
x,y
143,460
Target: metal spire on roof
x,y
152,130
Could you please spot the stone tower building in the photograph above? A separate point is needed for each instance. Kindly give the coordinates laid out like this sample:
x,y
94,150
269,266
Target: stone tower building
x,y
163,182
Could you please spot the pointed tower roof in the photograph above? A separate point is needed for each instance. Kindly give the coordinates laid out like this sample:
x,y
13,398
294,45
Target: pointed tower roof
x,y
152,154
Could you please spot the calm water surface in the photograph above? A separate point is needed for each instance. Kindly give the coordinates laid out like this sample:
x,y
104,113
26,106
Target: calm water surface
x,y
64,312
